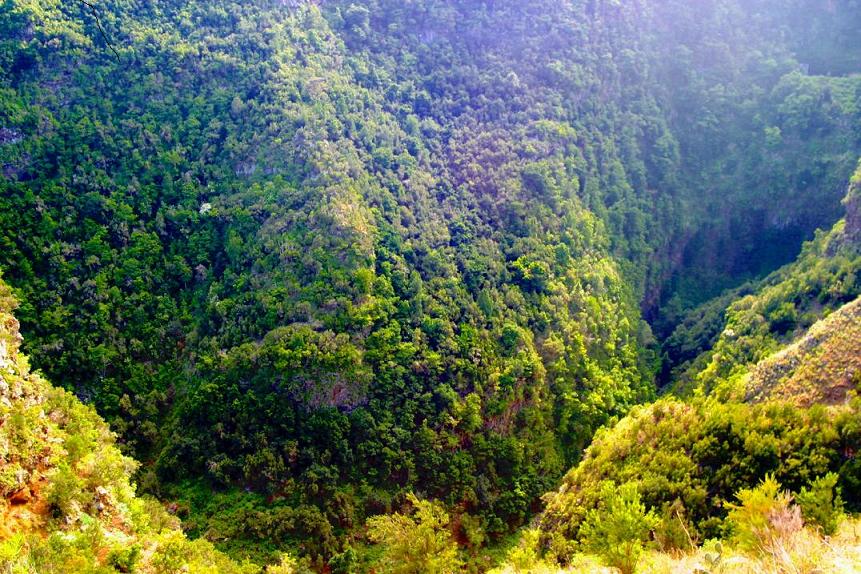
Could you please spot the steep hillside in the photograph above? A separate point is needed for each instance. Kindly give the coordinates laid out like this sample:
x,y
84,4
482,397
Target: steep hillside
x,y
823,366
66,500
308,257
692,458
267,272
772,404
719,344
660,490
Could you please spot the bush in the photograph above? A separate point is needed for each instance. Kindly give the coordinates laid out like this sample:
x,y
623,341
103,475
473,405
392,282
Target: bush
x,y
287,565
526,556
674,530
125,559
65,492
415,544
784,317
9,482
764,515
821,503
620,528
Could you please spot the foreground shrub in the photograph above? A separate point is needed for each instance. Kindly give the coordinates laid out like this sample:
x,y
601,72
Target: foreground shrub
x,y
620,528
764,515
689,460
821,503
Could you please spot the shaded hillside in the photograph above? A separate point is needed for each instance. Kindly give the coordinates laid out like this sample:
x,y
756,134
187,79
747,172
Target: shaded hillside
x,y
723,340
67,503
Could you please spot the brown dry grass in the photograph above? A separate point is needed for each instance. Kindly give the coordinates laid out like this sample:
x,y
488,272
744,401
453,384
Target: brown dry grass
x,y
821,367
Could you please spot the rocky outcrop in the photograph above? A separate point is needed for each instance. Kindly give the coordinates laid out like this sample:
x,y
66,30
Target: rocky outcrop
x,y
853,210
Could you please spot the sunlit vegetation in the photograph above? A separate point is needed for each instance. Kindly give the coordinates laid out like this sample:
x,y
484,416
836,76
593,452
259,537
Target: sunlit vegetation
x,y
352,278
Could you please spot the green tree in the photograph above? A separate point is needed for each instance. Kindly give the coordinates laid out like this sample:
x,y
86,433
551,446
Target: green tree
x,y
620,528
821,503
417,544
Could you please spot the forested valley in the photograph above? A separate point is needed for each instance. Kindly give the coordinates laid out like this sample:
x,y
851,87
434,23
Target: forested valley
x,y
430,286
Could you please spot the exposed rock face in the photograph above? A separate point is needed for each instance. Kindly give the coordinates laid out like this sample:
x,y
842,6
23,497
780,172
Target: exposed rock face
x,y
22,496
853,211
9,136
10,341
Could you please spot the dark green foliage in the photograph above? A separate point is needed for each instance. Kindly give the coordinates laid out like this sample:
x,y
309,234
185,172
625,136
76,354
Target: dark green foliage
x,y
334,254
723,339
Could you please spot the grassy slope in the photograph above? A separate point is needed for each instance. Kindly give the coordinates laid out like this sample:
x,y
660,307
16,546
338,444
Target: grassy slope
x,y
820,367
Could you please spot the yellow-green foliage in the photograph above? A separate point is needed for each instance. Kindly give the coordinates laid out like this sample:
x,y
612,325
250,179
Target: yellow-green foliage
x,y
769,539
415,544
526,558
804,550
75,509
287,565
821,503
763,515
620,528
689,459
820,367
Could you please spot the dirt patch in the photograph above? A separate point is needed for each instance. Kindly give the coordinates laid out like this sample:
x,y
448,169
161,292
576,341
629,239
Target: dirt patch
x,y
28,514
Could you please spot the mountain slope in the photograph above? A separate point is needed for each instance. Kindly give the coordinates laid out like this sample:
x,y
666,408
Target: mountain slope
x,y
821,367
773,402
722,341
66,500
306,257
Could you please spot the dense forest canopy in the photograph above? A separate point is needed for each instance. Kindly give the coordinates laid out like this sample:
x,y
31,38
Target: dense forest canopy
x,y
312,256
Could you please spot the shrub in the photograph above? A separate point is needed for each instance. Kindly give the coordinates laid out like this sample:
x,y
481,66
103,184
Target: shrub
x,y
287,565
784,317
674,530
620,528
125,559
821,503
525,557
9,482
65,491
415,544
764,515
